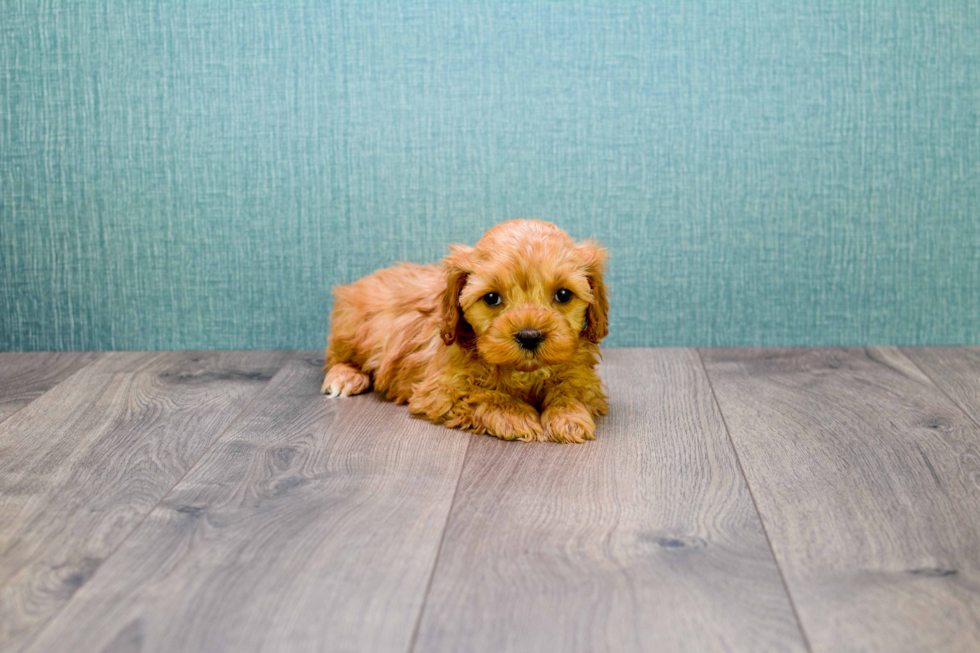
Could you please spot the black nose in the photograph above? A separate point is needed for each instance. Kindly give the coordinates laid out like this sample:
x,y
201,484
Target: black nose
x,y
529,339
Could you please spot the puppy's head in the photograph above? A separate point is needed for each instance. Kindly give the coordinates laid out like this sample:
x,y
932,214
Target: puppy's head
x,y
526,296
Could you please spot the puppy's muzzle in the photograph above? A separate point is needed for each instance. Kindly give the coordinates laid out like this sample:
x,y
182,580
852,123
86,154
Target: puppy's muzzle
x,y
529,339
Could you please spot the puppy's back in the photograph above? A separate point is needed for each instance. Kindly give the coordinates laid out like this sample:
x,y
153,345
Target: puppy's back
x,y
379,322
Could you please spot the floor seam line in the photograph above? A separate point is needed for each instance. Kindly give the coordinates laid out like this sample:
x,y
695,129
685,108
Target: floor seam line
x,y
82,368
938,387
442,539
755,504
155,506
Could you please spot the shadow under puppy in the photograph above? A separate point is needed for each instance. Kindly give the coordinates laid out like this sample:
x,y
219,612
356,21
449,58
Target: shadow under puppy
x,y
501,338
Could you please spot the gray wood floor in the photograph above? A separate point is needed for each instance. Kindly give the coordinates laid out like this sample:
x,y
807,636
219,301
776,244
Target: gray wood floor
x,y
735,500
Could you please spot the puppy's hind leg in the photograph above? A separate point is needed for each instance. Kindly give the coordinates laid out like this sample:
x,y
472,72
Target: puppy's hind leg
x,y
344,376
344,381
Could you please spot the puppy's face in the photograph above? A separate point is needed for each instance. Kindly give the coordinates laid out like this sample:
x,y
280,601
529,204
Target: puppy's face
x,y
526,296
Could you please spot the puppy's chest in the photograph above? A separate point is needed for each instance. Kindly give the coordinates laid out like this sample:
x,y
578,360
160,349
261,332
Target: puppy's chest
x,y
530,386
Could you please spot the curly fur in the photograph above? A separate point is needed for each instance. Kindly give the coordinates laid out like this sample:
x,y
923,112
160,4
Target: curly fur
x,y
422,335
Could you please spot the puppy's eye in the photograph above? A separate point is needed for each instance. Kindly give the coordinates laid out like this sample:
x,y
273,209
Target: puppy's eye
x,y
491,299
564,296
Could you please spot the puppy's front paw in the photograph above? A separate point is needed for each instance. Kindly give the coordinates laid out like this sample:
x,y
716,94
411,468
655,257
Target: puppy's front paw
x,y
568,423
512,422
344,381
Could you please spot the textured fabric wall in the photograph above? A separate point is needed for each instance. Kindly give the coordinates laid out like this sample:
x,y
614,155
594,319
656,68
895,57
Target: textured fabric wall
x,y
199,174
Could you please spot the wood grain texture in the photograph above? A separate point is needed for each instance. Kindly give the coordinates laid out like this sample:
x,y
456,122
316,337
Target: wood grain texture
x,y
84,463
313,525
955,370
867,478
644,540
26,376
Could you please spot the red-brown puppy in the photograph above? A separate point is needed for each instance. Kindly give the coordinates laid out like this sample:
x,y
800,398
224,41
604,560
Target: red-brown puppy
x,y
501,338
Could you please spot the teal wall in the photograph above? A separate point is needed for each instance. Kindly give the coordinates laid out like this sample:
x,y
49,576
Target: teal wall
x,y
199,174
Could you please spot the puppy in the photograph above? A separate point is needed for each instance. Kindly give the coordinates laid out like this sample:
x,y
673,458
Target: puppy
x,y
501,338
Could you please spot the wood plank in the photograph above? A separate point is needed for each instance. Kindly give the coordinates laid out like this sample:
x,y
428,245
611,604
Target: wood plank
x,y
866,477
646,539
312,525
85,462
26,376
955,370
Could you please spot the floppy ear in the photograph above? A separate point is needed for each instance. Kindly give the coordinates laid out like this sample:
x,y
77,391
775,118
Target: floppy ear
x,y
454,326
596,320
